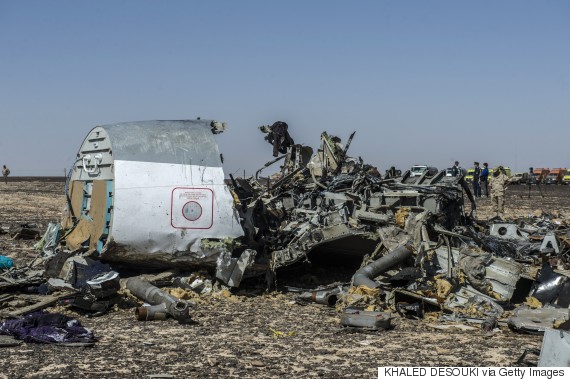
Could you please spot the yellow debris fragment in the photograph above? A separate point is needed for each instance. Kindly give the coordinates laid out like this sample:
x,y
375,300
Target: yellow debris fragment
x,y
443,288
278,334
533,302
558,323
181,294
364,291
401,216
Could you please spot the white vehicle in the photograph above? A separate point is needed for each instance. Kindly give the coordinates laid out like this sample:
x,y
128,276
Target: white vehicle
x,y
418,170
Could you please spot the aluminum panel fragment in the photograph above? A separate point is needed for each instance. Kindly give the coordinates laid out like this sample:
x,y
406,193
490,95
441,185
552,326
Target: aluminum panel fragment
x,y
555,350
150,191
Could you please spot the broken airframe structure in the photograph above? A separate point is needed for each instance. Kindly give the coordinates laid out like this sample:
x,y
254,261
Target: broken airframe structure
x,y
421,249
152,194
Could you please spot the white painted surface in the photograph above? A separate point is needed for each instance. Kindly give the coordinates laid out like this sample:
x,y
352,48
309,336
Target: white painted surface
x,y
169,208
94,160
192,208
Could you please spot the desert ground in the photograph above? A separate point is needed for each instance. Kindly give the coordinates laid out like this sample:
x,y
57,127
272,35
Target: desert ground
x,y
249,334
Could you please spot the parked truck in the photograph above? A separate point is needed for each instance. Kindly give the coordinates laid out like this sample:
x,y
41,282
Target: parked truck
x,y
539,175
566,178
555,176
469,176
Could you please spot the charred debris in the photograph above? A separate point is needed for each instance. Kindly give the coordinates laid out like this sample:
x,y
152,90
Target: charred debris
x,y
419,247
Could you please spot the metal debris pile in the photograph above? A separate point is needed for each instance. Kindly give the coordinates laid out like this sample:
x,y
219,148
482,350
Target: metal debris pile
x,y
422,252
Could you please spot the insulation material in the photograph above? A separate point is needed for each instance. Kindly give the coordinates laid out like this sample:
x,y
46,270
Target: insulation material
x,y
401,216
91,222
75,194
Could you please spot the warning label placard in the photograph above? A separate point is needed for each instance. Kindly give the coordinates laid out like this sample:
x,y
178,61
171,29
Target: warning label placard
x,y
192,208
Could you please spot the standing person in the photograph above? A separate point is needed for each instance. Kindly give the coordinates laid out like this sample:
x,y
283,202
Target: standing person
x,y
498,187
5,173
476,175
484,179
456,170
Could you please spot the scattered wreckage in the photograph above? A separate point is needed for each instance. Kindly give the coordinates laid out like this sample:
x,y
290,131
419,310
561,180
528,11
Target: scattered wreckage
x,y
152,195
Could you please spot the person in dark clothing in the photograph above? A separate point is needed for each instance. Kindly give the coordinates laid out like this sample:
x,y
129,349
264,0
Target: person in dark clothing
x,y
484,179
476,175
278,136
456,170
5,173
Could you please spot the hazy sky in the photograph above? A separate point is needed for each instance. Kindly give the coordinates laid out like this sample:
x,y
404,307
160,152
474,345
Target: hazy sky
x,y
420,81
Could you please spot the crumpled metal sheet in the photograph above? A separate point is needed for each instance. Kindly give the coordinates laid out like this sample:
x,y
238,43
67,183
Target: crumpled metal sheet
x,y
358,318
507,231
231,270
538,320
549,285
555,350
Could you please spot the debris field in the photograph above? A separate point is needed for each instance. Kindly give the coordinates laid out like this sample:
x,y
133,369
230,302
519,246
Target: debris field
x,y
145,261
251,333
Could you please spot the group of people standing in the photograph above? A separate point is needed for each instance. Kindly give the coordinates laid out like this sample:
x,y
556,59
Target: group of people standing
x,y
481,180
481,184
480,177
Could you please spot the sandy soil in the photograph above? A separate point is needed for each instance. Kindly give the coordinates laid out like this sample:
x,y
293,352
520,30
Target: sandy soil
x,y
235,335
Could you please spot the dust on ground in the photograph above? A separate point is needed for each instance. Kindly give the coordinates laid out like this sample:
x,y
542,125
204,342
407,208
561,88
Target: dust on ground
x,y
237,335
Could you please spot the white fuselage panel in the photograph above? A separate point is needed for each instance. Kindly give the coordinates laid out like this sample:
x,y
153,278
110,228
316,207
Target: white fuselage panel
x,y
169,208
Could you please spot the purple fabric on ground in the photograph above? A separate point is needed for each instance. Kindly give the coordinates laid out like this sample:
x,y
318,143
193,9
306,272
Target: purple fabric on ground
x,y
44,327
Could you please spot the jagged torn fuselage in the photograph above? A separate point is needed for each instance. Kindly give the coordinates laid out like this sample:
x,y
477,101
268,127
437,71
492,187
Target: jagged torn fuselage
x,y
149,192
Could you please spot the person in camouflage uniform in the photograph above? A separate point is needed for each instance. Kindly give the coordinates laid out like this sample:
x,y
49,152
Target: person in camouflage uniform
x,y
5,173
498,186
